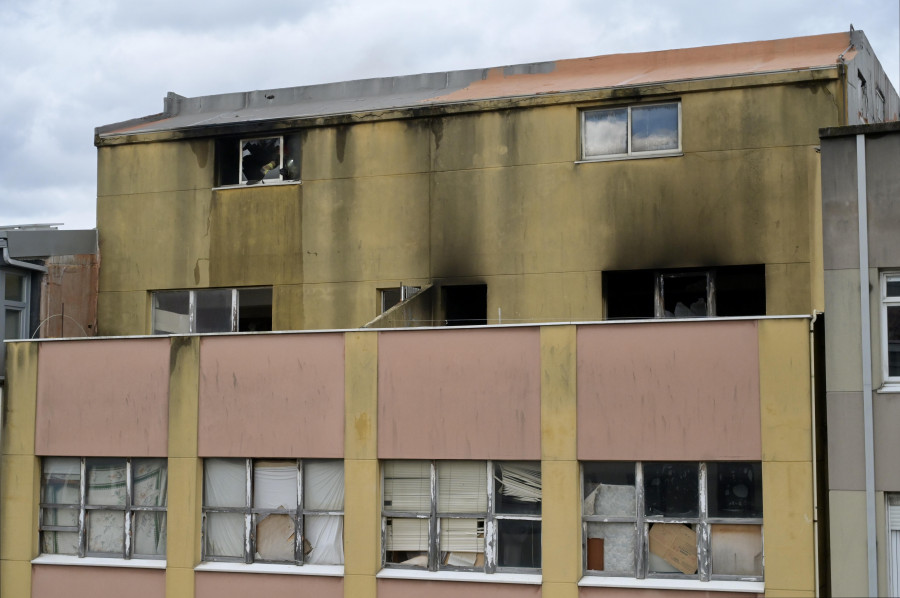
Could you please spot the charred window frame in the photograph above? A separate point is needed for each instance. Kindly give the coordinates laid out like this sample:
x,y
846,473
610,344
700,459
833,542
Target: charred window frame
x,y
212,310
104,507
462,515
890,327
258,160
673,520
287,511
640,131
392,296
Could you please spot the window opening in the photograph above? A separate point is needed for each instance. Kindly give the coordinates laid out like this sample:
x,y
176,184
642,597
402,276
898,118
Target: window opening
x,y
392,296
465,305
262,160
863,96
631,131
212,310
14,288
879,106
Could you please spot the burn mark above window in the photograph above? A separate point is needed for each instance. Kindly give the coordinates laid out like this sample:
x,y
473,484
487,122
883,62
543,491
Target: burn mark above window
x,y
260,160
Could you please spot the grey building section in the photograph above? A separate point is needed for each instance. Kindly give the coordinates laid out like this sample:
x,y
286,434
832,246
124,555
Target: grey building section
x,y
863,407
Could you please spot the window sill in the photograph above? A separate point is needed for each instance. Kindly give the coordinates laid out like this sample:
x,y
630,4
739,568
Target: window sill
x,y
756,587
92,561
258,186
473,576
273,569
889,388
640,157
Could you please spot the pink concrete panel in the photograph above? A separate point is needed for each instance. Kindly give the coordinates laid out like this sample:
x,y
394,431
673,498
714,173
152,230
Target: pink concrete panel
x,y
103,398
241,585
53,581
408,588
669,391
636,593
459,394
272,396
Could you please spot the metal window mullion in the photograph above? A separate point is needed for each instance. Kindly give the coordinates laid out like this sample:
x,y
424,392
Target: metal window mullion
x,y
299,518
234,310
490,524
82,514
703,551
628,133
710,296
640,527
433,527
192,311
659,306
129,489
248,514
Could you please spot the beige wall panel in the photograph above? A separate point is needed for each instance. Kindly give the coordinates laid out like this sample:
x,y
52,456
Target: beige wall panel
x,y
362,517
561,527
248,384
788,527
668,391
635,593
154,240
49,581
886,411
462,394
19,497
326,306
361,395
184,381
788,289
255,236
550,297
20,398
846,457
179,582
365,229
847,522
15,578
367,149
103,398
407,588
153,167
559,397
241,585
124,313
183,513
843,353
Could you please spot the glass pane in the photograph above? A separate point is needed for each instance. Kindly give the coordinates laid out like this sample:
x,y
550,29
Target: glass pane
x,y
59,542
13,324
684,295
149,533
406,541
736,550
213,310
106,482
255,310
605,132
275,485
518,543
105,532
407,486
225,534
15,287
61,480
171,312
654,128
151,478
323,485
463,539
673,548
323,540
893,287
462,487
893,339
291,169
275,537
671,489
517,488
260,160
611,547
609,490
60,517
225,483
390,298
735,489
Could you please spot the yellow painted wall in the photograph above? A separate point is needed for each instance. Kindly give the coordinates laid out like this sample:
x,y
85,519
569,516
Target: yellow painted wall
x,y
495,195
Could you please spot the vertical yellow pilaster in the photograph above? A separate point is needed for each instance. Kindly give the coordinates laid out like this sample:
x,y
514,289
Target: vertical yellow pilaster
x,y
561,526
185,468
362,496
19,471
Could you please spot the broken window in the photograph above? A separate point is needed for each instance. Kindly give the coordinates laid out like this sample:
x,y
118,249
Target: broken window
x,y
462,515
104,507
863,92
699,292
890,327
879,106
631,131
673,520
273,511
392,296
212,310
465,305
261,160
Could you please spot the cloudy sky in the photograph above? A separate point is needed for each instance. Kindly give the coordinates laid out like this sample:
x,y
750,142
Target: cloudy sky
x,y
67,67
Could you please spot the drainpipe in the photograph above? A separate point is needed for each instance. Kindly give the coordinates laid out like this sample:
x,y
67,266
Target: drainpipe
x,y
866,332
815,472
16,263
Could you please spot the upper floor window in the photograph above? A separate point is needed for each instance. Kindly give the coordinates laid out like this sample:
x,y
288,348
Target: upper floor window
x,y
890,327
258,160
443,515
273,511
631,131
677,520
104,507
212,310
14,292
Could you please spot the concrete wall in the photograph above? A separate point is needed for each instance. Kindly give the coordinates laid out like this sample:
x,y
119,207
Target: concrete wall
x,y
495,197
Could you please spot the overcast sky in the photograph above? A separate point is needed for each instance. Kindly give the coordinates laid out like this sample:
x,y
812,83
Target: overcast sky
x,y
67,67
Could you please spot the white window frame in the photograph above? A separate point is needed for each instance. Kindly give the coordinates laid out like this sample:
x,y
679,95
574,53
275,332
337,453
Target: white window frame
x,y
83,508
490,517
249,540
659,299
629,153
894,276
642,523
192,307
277,168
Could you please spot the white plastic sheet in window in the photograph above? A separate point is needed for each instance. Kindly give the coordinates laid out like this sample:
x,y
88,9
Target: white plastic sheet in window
x,y
275,485
407,486
325,534
521,481
323,485
225,483
462,487
150,489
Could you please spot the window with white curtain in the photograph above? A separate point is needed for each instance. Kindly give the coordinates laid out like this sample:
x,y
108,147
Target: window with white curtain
x,y
273,511
467,515
104,507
